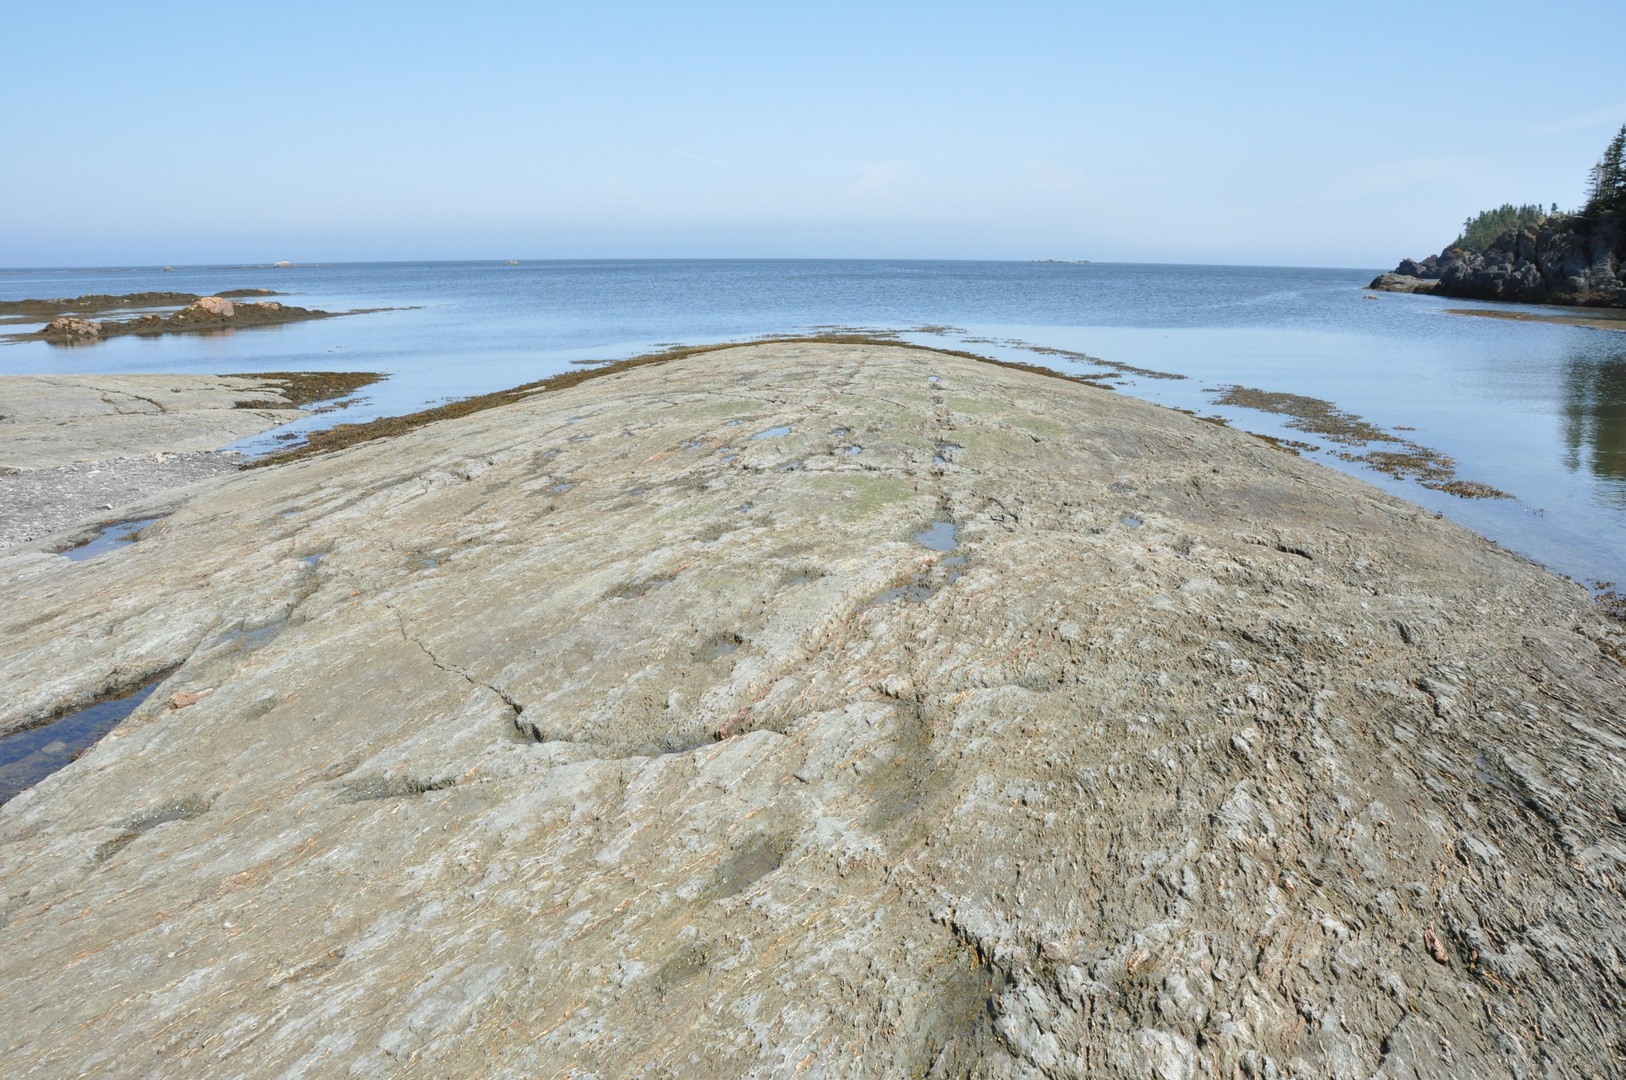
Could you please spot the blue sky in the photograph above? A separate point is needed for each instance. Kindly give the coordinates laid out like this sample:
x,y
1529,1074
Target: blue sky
x,y
1304,134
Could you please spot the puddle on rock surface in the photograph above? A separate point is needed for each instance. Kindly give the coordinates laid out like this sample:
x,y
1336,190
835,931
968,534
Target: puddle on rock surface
x,y
855,450
27,757
1133,522
939,536
113,537
775,432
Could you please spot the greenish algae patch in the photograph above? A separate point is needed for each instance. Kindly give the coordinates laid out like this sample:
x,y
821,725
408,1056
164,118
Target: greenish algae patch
x,y
860,495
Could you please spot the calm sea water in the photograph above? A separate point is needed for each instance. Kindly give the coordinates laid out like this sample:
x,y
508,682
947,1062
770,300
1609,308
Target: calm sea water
x,y
1535,410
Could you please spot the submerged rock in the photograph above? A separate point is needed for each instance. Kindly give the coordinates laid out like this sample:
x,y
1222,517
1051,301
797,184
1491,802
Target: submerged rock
x,y
551,741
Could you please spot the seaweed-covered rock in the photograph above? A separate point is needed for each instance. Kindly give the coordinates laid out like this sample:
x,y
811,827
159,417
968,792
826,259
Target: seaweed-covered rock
x,y
211,305
206,313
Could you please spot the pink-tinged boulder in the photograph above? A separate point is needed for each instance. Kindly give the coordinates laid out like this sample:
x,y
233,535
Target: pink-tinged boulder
x,y
212,305
68,326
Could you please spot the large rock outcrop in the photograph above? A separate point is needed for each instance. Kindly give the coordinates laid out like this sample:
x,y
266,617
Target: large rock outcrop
x,y
653,728
1567,260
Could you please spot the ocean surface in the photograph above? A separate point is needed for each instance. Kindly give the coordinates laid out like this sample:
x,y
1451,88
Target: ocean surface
x,y
1534,410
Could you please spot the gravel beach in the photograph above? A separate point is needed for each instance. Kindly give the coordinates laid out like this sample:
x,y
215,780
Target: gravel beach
x,y
38,502
74,449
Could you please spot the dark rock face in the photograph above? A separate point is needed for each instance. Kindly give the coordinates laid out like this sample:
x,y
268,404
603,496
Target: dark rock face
x,y
1570,260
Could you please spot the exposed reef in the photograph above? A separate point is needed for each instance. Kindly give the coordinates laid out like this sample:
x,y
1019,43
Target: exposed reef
x,y
99,303
1397,457
70,325
639,726
209,313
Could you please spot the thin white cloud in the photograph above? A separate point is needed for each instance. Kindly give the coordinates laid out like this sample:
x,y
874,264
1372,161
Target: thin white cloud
x,y
878,179
697,157
1396,175
1052,177
1609,114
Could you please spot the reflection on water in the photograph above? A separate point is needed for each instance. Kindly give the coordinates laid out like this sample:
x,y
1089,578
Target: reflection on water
x,y
1595,421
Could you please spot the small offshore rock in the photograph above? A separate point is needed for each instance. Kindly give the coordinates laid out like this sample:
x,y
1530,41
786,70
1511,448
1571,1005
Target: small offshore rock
x,y
213,305
69,327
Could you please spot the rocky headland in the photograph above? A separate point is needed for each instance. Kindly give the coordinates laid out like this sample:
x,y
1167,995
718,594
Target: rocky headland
x,y
813,710
1567,260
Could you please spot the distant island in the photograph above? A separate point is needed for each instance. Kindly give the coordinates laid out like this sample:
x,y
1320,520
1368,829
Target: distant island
x,y
1533,255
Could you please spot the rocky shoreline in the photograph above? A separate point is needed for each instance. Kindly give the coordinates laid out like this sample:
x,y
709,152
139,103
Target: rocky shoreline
x,y
76,450
1571,260
813,710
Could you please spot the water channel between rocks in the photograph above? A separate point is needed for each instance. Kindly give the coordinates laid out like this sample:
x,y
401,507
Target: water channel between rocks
x,y
27,757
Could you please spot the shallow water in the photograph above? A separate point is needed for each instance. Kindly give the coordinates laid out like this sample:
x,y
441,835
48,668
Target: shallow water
x,y
1534,410
113,537
28,757
939,536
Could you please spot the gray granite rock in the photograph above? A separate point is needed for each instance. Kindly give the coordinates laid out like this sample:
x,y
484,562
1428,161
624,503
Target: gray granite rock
x,y
597,735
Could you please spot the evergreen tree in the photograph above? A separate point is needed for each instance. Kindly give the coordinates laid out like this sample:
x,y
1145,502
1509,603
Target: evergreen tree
x,y
1606,188
1479,230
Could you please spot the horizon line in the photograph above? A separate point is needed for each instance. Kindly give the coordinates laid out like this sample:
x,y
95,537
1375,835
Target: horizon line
x,y
521,262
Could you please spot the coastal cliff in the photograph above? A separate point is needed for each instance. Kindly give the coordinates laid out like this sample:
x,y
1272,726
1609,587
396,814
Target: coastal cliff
x,y
813,710
1564,260
1526,254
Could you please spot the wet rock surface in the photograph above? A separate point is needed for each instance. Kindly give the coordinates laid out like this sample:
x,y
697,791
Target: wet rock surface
x,y
551,741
